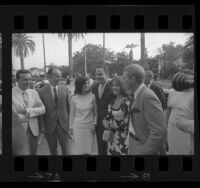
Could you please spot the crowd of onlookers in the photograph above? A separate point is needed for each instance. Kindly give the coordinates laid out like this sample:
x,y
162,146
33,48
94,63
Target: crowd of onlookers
x,y
131,114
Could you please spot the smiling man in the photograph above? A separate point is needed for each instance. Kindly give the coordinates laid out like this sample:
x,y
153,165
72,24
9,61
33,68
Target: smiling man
x,y
103,94
27,105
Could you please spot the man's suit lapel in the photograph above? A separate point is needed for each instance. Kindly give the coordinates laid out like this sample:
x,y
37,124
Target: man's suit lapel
x,y
134,104
19,98
106,90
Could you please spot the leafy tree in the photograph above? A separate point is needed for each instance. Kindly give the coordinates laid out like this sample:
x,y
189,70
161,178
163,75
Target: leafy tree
x,y
70,36
94,55
168,54
188,53
23,45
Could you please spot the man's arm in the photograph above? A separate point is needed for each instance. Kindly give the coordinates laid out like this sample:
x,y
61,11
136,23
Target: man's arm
x,y
68,100
72,114
38,108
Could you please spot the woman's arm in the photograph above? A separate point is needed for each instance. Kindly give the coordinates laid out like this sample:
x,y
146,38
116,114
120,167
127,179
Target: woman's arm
x,y
95,109
72,114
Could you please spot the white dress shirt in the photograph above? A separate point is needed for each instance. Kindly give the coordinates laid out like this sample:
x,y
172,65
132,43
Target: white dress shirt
x,y
101,88
131,129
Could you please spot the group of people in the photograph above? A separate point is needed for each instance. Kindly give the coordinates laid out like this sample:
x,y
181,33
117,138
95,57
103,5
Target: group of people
x,y
127,115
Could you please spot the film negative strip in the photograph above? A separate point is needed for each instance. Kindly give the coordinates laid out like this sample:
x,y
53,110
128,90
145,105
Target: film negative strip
x,y
49,20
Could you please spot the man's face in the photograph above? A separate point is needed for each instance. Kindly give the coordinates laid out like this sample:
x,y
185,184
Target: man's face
x,y
147,79
24,81
55,77
100,75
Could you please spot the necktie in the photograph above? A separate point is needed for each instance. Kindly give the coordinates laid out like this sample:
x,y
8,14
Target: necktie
x,y
25,98
55,95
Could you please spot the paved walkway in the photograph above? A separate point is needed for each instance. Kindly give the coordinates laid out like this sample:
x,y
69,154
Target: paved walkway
x,y
43,149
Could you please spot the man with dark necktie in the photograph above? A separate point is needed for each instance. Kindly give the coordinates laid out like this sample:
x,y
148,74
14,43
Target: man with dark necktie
x,y
55,122
103,95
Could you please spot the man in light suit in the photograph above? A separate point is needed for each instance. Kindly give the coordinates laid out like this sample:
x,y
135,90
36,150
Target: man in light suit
x,y
28,106
147,126
55,122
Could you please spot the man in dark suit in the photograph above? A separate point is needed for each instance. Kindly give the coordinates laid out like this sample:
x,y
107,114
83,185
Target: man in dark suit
x,y
55,122
147,126
103,95
156,87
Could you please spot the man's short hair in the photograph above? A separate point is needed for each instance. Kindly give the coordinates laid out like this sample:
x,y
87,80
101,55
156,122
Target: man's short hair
x,y
104,67
51,69
156,76
149,74
22,71
137,71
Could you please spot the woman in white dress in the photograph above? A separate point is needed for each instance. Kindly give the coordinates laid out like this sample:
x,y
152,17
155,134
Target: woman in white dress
x,y
83,118
180,115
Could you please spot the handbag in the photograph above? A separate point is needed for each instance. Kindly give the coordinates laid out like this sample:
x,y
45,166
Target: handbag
x,y
108,135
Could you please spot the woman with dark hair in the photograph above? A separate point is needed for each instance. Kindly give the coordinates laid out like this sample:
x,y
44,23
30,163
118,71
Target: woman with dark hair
x,y
83,119
116,120
180,115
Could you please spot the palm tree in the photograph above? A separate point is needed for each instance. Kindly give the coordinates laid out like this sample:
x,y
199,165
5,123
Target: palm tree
x,y
70,36
189,43
142,48
22,44
103,47
43,42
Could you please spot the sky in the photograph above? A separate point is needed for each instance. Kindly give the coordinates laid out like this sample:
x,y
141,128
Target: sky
x,y
57,50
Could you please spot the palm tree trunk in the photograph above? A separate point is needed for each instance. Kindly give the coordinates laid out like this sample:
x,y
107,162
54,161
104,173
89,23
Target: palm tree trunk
x,y
22,60
44,55
142,48
70,52
103,47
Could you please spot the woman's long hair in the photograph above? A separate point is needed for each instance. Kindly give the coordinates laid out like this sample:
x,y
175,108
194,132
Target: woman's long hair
x,y
119,82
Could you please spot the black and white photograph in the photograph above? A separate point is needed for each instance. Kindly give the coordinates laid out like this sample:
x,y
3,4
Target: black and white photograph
x,y
102,93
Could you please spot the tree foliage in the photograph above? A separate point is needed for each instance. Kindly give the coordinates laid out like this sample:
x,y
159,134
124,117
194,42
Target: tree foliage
x,y
23,45
169,54
94,57
70,36
188,53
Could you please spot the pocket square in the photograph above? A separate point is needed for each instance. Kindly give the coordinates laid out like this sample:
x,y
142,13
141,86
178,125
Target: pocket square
x,y
135,110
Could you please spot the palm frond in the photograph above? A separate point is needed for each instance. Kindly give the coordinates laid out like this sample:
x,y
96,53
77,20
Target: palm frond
x,y
22,43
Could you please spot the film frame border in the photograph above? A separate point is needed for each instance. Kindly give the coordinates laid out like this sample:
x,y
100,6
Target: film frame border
x,y
171,18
